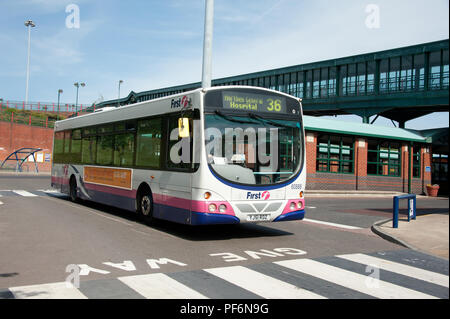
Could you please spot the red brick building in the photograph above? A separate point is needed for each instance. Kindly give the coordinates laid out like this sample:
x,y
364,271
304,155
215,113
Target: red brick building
x,y
355,156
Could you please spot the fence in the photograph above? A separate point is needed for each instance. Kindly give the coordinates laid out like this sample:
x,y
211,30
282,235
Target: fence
x,y
30,120
46,106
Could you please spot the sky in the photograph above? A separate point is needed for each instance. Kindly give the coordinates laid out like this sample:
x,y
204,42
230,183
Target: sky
x,y
151,44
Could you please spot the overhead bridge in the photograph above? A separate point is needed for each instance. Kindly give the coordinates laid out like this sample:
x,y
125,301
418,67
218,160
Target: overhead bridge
x,y
399,84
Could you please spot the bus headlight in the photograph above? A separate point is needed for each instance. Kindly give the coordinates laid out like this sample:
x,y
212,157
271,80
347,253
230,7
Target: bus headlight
x,y
212,208
222,208
292,206
300,205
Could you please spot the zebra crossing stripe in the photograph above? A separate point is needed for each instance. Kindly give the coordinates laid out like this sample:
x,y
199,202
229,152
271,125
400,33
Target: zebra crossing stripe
x,y
160,286
262,285
24,193
402,269
352,280
58,290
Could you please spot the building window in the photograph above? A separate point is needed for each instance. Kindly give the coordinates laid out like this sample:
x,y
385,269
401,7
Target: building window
x,y
416,164
335,154
440,169
384,158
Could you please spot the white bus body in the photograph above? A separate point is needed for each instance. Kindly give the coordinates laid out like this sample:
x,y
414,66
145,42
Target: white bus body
x,y
91,160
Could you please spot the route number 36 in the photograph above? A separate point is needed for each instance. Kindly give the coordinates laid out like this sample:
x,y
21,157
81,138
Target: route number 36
x,y
274,105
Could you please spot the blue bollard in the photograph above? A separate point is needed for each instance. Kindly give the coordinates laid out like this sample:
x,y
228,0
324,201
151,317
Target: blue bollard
x,y
411,208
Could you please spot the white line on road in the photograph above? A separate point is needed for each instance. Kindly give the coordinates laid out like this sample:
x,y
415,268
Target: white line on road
x,y
331,224
418,273
24,193
262,285
160,286
352,280
48,291
50,191
311,207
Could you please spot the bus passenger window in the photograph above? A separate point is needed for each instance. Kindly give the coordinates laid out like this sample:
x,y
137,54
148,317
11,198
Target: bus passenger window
x,y
148,152
124,150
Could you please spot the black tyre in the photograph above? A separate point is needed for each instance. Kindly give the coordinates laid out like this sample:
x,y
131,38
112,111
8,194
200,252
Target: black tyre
x,y
73,190
145,205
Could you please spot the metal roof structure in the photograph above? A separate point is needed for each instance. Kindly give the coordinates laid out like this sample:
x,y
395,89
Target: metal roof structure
x,y
312,123
400,84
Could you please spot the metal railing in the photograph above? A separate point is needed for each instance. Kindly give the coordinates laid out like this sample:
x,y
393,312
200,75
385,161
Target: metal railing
x,y
411,208
30,120
46,106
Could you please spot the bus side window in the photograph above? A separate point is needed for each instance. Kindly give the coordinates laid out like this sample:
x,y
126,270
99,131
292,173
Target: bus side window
x,y
124,150
174,125
148,150
67,142
76,147
58,147
89,150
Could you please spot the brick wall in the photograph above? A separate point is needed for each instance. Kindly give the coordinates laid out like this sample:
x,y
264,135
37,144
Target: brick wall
x,y
15,136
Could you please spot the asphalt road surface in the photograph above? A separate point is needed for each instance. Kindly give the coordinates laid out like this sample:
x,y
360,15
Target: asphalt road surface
x,y
42,234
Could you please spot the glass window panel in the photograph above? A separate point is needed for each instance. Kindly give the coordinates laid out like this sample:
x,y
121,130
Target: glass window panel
x,y
105,150
435,70
67,142
384,71
173,124
445,70
316,83
361,79
148,150
89,150
308,84
76,142
105,129
124,150
59,143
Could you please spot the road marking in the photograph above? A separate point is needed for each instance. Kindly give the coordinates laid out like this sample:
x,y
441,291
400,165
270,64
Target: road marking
x,y
261,284
425,275
160,286
1,203
331,224
51,191
24,193
48,291
311,207
353,280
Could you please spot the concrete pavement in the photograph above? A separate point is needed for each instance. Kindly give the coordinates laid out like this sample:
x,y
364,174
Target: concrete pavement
x,y
428,233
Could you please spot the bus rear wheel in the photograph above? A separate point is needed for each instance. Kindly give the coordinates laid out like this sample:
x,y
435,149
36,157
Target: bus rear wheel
x,y
145,206
73,190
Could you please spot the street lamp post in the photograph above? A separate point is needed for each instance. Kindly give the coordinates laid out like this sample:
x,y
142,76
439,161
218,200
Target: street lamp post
x,y
118,102
82,84
29,24
207,44
59,94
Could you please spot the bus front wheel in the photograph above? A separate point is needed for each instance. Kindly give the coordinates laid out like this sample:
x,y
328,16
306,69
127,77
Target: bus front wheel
x,y
145,205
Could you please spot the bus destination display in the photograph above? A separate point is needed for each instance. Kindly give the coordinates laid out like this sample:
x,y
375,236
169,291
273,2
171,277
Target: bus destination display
x,y
254,102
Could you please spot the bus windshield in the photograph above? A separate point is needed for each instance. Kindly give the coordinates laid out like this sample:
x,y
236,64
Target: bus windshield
x,y
251,149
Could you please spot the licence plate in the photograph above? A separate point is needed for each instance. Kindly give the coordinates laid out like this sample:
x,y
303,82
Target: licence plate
x,y
258,218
